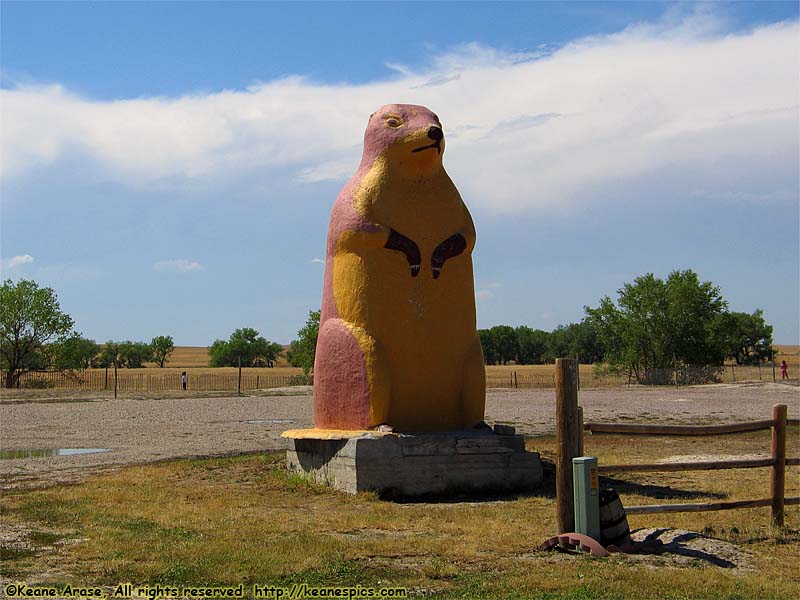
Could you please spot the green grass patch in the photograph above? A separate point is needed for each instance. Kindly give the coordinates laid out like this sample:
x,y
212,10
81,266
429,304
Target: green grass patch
x,y
45,538
8,553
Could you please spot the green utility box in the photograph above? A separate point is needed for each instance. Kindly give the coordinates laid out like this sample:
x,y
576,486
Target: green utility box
x,y
586,486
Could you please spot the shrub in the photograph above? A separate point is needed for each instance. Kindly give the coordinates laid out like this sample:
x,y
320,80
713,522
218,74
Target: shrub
x,y
301,380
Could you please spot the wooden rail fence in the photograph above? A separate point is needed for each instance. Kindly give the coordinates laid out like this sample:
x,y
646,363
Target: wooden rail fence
x,y
569,440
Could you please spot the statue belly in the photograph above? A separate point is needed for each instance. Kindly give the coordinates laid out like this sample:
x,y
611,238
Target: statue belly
x,y
424,327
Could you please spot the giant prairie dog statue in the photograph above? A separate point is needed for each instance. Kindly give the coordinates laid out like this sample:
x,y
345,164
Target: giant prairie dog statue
x,y
398,348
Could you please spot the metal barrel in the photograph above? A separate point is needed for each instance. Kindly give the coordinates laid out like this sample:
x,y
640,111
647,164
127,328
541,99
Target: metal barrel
x,y
614,530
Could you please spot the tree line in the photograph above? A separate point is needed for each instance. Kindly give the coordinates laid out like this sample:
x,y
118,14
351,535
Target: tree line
x,y
654,324
526,346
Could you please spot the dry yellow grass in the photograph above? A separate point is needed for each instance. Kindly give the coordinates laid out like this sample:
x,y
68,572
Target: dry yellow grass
x,y
197,357
791,354
246,519
785,349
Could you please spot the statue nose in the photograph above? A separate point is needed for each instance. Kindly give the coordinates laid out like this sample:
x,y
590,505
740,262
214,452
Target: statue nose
x,y
435,133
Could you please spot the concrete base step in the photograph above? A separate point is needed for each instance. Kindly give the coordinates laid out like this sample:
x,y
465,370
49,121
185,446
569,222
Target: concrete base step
x,y
417,464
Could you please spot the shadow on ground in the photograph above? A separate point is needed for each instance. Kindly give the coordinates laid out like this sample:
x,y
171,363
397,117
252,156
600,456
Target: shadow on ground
x,y
547,489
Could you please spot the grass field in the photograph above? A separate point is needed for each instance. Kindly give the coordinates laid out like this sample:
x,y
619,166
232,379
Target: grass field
x,y
197,357
245,519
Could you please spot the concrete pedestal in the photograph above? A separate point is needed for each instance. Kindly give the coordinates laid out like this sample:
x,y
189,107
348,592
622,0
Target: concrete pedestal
x,y
414,464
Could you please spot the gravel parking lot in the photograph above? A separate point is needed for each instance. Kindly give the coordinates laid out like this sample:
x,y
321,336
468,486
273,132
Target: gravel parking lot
x,y
148,429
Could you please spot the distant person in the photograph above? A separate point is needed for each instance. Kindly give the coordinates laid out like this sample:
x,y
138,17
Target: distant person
x,y
784,370
184,380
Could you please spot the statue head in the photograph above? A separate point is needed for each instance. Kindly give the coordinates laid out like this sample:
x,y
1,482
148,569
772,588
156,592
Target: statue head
x,y
408,137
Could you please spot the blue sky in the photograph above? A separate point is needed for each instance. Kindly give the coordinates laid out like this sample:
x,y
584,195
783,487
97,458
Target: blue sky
x,y
169,168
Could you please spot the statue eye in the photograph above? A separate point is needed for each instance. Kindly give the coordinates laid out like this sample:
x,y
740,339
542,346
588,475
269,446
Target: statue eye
x,y
394,121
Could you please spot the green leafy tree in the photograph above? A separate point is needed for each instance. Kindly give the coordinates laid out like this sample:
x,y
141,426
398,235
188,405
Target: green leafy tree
x,y
110,355
245,347
74,352
135,354
658,321
30,317
161,347
218,355
505,341
127,354
692,309
490,353
746,338
531,345
586,342
274,350
590,347
558,344
303,350
579,339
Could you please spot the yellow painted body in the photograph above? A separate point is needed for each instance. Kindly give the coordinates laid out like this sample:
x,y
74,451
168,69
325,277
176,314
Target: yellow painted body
x,y
332,434
424,363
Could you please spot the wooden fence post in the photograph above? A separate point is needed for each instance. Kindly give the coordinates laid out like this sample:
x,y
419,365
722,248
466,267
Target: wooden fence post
x,y
778,471
566,441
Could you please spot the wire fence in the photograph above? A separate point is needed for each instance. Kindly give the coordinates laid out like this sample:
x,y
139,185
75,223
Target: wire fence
x,y
683,375
144,380
703,374
522,380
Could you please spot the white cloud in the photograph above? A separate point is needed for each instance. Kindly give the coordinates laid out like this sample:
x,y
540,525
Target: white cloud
x,y
180,265
483,295
527,131
335,170
318,260
15,261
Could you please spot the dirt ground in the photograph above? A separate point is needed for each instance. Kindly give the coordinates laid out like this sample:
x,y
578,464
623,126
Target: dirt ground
x,y
147,429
